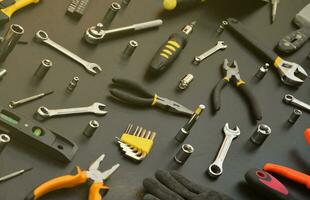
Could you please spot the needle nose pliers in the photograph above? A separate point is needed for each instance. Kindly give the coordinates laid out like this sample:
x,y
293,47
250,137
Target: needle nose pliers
x,y
96,178
145,98
231,71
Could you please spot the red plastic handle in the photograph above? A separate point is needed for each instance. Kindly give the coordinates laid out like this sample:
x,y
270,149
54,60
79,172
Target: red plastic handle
x,y
307,135
289,173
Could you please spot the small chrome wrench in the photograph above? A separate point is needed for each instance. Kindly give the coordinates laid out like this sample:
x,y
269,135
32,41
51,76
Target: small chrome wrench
x,y
96,108
290,99
216,168
42,37
219,46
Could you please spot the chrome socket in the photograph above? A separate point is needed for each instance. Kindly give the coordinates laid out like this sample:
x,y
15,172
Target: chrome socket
x,y
43,68
260,74
184,153
260,134
4,140
294,116
130,48
73,83
110,14
185,81
91,128
10,40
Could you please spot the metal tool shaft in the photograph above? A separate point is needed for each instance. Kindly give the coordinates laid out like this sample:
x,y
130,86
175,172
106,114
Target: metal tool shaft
x,y
14,104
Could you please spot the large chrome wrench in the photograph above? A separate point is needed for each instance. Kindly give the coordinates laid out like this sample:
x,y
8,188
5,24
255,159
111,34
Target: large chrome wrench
x,y
42,37
219,46
290,99
216,168
96,108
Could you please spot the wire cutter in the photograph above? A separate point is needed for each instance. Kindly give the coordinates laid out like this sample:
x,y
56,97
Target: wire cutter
x,y
146,99
232,74
96,178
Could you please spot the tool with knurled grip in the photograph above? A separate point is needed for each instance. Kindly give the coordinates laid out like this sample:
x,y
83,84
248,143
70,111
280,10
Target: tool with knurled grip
x,y
144,98
231,72
170,51
93,175
291,73
267,185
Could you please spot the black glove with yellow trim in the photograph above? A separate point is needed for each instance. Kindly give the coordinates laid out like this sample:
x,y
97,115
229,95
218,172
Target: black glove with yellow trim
x,y
173,186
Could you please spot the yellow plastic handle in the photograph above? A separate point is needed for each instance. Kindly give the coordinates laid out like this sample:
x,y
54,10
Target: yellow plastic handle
x,y
9,11
97,191
62,182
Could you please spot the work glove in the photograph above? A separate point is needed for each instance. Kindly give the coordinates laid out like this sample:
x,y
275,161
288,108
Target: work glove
x,y
173,186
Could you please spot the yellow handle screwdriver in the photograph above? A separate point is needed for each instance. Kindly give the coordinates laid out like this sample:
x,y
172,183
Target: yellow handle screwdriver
x,y
170,51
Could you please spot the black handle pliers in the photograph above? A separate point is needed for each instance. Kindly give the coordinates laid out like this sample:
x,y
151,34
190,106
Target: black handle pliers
x,y
232,75
144,98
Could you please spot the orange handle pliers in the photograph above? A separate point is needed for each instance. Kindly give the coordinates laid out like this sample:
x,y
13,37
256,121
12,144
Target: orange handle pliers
x,y
289,173
97,189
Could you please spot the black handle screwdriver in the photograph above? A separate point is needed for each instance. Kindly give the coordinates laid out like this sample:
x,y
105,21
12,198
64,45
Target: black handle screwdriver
x,y
169,52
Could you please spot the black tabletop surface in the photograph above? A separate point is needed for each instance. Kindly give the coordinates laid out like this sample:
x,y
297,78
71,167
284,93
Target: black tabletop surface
x,y
286,145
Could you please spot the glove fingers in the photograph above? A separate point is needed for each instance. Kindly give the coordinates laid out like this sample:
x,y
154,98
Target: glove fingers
x,y
169,181
159,190
193,187
150,197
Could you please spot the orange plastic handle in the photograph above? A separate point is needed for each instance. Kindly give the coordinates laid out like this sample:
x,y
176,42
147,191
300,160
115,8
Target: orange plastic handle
x,y
289,173
97,191
67,181
307,135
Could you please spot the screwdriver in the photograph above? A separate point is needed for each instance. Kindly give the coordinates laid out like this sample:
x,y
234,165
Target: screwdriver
x,y
274,4
14,174
169,52
14,104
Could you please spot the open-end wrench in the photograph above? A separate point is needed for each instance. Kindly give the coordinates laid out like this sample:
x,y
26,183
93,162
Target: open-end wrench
x,y
219,46
216,168
95,108
42,37
290,99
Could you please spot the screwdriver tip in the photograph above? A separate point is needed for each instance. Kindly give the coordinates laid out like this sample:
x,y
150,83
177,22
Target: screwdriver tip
x,y
48,93
27,170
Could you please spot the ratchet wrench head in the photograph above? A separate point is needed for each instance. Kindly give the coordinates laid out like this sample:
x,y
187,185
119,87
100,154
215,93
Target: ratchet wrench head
x,y
94,34
291,73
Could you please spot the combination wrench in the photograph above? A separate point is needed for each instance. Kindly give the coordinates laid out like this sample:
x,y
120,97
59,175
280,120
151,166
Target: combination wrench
x,y
42,37
219,46
290,99
216,168
96,108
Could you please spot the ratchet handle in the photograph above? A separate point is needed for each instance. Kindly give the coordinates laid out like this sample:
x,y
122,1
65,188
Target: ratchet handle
x,y
294,41
255,106
150,24
238,28
267,185
289,173
9,11
62,182
97,191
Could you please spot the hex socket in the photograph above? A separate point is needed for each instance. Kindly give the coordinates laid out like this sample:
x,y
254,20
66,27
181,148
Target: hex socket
x,y
4,140
43,68
130,48
261,134
294,116
184,153
91,128
10,40
110,14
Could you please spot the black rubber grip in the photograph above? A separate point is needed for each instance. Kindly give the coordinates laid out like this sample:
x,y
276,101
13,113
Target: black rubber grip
x,y
238,28
254,105
130,99
125,83
264,183
160,63
216,96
